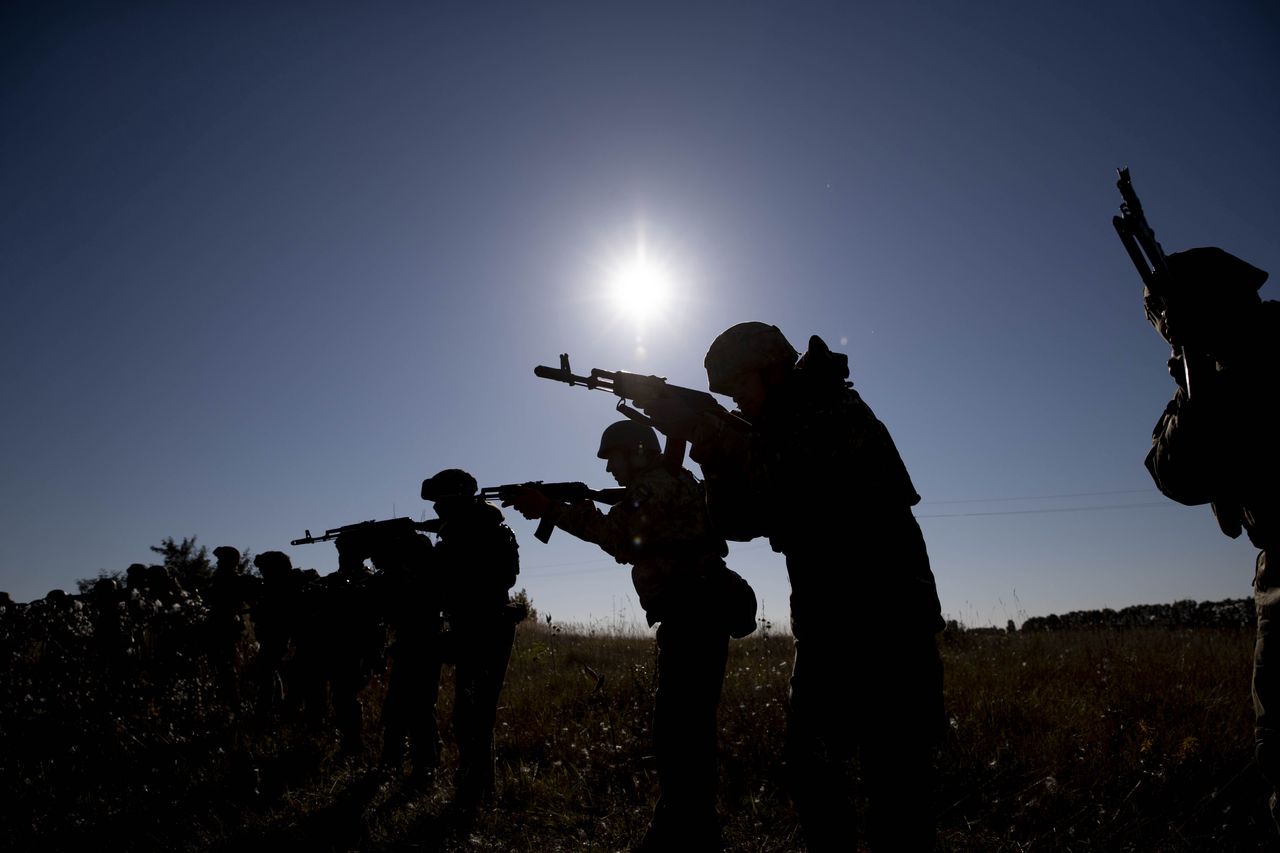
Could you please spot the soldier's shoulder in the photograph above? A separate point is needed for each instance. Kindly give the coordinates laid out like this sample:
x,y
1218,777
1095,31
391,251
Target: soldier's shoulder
x,y
665,486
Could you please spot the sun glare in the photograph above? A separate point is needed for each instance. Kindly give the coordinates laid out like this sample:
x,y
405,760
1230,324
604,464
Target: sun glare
x,y
640,288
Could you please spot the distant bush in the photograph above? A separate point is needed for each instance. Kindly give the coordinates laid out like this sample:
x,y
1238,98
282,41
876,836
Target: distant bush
x,y
1231,613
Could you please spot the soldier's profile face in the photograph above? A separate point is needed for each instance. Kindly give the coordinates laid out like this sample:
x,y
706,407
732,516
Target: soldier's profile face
x,y
618,463
749,393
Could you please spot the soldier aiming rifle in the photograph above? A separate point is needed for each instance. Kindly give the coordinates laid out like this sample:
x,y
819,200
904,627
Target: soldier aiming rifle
x,y
645,392
566,492
372,528
1219,446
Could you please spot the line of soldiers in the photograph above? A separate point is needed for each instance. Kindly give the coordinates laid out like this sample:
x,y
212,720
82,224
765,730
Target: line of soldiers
x,y
424,605
293,645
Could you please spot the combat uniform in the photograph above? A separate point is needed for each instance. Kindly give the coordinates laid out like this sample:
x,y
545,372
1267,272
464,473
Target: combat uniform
x,y
660,527
820,476
478,561
340,644
407,589
1220,447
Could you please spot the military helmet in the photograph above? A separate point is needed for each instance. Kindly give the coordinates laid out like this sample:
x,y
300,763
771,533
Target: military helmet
x,y
1226,271
226,552
629,436
1204,286
269,562
449,483
744,348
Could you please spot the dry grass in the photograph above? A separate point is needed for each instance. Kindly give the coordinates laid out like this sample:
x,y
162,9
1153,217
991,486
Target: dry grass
x,y
1123,740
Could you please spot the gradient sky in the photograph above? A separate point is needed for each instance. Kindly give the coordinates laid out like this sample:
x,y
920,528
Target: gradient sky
x,y
267,266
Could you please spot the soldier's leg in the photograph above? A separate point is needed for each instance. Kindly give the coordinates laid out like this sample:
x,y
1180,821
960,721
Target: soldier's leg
x,y
898,745
1266,673
345,686
396,711
691,663
819,742
424,728
480,673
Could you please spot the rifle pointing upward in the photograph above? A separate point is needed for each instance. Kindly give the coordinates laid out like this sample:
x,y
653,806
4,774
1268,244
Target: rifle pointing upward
x,y
1138,238
1145,252
643,391
566,492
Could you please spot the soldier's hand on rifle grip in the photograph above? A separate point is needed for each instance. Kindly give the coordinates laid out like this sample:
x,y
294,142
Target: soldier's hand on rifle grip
x,y
530,503
712,441
671,415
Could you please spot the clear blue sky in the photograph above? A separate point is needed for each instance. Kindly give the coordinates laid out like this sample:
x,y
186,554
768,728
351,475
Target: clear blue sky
x,y
265,268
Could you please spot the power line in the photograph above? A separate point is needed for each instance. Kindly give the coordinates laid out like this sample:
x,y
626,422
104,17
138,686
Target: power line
x,y
1041,511
1044,497
1049,510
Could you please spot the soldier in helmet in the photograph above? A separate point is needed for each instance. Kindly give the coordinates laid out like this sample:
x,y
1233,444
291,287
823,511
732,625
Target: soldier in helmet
x,y
407,591
231,594
478,559
339,643
660,527
818,474
1215,442
273,626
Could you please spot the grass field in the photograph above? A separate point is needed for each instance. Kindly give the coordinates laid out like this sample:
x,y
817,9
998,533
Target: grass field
x,y
1072,740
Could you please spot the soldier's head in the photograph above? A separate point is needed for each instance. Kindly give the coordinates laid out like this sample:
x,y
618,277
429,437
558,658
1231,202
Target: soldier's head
x,y
105,588
450,490
136,576
747,362
228,559
1205,299
273,565
630,448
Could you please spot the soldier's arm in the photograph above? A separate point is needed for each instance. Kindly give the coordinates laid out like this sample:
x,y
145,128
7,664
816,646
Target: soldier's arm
x,y
1184,456
608,530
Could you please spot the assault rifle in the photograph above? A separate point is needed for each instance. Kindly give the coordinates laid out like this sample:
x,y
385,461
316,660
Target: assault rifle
x,y
643,391
566,492
1147,256
372,528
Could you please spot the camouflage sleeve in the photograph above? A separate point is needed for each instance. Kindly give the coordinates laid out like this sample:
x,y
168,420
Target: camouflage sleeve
x,y
1182,461
661,515
584,520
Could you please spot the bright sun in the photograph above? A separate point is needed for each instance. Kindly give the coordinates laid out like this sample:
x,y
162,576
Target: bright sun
x,y
640,288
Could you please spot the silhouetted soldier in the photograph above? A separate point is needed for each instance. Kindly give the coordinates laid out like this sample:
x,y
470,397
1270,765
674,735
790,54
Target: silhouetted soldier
x,y
408,596
660,527
820,476
230,597
1218,444
478,560
350,637
273,625
111,630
